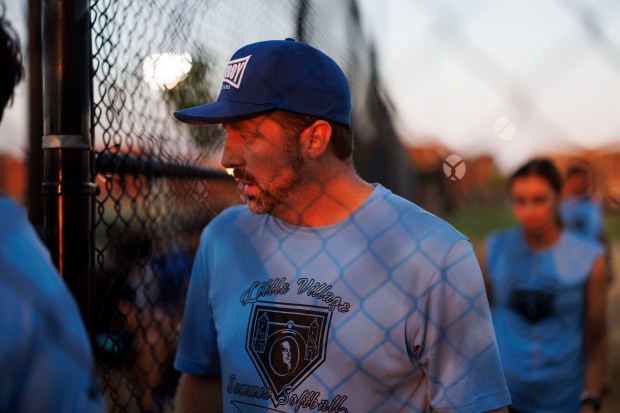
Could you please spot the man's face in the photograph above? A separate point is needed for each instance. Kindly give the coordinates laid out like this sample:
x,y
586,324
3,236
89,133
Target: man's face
x,y
266,160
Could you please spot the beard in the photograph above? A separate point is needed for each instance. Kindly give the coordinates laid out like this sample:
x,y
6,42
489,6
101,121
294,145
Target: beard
x,y
287,179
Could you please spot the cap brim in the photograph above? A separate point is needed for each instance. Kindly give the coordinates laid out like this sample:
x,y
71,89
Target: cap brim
x,y
219,112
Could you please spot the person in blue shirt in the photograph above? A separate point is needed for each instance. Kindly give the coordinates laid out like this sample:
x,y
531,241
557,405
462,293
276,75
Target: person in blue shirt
x,y
324,293
46,363
547,287
580,211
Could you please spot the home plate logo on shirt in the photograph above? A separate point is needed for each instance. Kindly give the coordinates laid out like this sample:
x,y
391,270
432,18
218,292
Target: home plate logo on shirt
x,y
286,343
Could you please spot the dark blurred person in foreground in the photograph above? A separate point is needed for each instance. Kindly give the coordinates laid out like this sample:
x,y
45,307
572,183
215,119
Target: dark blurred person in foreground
x,y
46,363
547,288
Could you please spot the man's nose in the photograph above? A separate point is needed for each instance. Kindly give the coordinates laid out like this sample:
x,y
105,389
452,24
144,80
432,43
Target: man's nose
x,y
231,155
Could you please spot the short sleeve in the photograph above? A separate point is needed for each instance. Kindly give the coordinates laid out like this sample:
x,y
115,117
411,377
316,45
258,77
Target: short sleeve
x,y
197,352
458,349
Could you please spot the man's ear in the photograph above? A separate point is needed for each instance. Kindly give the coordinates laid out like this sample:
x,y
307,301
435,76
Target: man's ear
x,y
315,138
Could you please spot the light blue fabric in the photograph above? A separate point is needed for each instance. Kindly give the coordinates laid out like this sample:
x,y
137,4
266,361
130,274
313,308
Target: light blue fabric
x,y
46,363
582,215
538,314
384,311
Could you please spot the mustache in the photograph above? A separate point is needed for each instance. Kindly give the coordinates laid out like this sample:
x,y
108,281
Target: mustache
x,y
242,174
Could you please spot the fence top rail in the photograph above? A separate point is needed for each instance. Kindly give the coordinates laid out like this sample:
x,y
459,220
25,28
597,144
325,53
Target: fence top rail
x,y
115,163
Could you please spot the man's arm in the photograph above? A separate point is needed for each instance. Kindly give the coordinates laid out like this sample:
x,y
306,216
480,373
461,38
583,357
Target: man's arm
x,y
199,394
501,410
456,292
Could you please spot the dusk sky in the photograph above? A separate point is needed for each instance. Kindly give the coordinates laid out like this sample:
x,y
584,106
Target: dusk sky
x,y
509,78
456,68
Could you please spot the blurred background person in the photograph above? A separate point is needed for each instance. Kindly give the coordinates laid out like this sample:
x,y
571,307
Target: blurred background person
x,y
580,211
46,363
548,291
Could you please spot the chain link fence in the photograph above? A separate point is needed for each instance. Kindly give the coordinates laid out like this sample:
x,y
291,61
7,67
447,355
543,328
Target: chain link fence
x,y
160,182
159,179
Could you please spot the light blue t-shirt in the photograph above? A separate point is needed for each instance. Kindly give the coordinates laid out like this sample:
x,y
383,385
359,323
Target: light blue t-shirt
x,y
582,215
384,311
46,363
538,314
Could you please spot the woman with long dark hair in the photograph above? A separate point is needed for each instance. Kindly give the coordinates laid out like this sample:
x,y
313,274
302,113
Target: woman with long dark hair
x,y
547,289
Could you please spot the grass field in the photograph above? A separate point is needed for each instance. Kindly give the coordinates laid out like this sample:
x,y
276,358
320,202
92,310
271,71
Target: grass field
x,y
477,221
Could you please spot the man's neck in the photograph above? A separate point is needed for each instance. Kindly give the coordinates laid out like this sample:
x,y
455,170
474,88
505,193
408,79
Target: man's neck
x,y
326,200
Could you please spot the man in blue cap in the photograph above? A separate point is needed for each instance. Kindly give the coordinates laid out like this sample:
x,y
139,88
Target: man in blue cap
x,y
324,293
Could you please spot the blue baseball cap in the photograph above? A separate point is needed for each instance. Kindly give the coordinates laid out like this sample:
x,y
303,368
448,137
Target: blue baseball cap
x,y
277,74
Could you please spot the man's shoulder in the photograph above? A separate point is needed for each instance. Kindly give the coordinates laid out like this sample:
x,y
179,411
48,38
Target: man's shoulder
x,y
424,227
229,220
417,217
231,214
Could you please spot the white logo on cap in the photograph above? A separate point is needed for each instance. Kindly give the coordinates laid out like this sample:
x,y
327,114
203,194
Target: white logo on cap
x,y
235,70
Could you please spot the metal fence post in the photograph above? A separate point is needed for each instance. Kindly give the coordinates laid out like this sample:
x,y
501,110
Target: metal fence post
x,y
34,196
68,189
